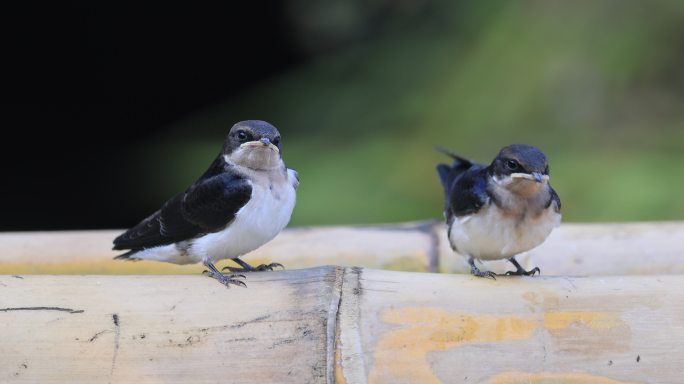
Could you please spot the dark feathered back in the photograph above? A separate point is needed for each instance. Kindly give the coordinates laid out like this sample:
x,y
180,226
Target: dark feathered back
x,y
449,174
464,186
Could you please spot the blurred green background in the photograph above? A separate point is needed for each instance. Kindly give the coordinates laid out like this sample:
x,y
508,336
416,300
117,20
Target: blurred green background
x,y
597,85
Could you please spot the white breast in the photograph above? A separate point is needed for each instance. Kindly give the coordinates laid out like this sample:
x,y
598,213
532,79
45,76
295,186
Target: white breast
x,y
492,235
259,221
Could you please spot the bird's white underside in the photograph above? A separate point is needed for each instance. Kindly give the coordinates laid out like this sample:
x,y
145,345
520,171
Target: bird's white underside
x,y
493,233
489,235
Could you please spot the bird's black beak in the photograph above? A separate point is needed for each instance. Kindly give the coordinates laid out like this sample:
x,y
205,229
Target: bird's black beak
x,y
266,141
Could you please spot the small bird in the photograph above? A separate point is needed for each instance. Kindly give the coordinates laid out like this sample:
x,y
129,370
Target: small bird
x,y
498,211
241,202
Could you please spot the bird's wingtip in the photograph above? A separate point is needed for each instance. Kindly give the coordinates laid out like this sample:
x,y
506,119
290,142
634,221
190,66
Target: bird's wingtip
x,y
127,255
451,154
444,150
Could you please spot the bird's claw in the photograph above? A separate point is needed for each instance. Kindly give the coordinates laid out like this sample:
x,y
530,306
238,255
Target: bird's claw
x,y
479,273
476,271
235,275
522,272
269,267
227,280
239,283
262,267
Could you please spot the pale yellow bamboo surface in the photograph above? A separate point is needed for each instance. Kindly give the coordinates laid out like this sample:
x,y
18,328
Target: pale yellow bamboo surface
x,y
572,249
417,328
164,329
342,325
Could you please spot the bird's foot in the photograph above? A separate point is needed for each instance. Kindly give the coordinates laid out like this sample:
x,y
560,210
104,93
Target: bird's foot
x,y
227,279
476,271
262,267
248,268
520,271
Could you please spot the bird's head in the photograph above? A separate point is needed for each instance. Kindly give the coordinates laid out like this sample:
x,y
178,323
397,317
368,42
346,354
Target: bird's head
x,y
253,144
521,168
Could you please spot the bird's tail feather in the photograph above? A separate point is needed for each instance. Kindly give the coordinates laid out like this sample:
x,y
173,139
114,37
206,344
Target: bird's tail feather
x,y
447,174
444,172
128,255
457,159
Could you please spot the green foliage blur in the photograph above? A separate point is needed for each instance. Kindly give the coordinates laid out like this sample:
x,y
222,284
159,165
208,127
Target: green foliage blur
x,y
597,85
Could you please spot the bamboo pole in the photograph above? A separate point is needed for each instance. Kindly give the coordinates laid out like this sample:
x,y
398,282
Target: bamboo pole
x,y
572,249
406,246
342,325
164,329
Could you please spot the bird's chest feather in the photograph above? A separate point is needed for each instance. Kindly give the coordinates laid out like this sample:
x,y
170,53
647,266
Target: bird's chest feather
x,y
504,228
268,210
266,214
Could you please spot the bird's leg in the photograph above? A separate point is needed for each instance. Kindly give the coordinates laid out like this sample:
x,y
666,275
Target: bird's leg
x,y
248,268
520,270
226,280
476,272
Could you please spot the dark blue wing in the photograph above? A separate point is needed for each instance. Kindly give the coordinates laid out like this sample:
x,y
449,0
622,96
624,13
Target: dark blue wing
x,y
214,202
465,186
468,193
207,206
449,174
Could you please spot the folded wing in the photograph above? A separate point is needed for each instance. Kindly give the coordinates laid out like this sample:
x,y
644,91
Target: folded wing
x,y
207,206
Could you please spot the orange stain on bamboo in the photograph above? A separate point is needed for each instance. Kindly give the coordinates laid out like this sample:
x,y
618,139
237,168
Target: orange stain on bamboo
x,y
552,378
400,354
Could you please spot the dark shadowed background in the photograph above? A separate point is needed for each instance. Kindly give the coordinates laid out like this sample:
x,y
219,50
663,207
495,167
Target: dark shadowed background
x,y
108,109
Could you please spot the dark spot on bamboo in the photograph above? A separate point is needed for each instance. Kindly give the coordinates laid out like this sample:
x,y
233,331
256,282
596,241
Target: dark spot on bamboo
x,y
282,342
95,336
117,337
243,323
189,341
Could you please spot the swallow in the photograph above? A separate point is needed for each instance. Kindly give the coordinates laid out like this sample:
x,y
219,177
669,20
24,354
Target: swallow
x,y
500,210
241,202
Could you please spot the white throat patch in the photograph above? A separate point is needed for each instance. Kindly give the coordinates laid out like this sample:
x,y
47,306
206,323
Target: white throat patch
x,y
258,158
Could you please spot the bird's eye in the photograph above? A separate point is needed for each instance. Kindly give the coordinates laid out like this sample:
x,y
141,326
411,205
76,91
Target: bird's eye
x,y
512,165
546,170
276,141
242,135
